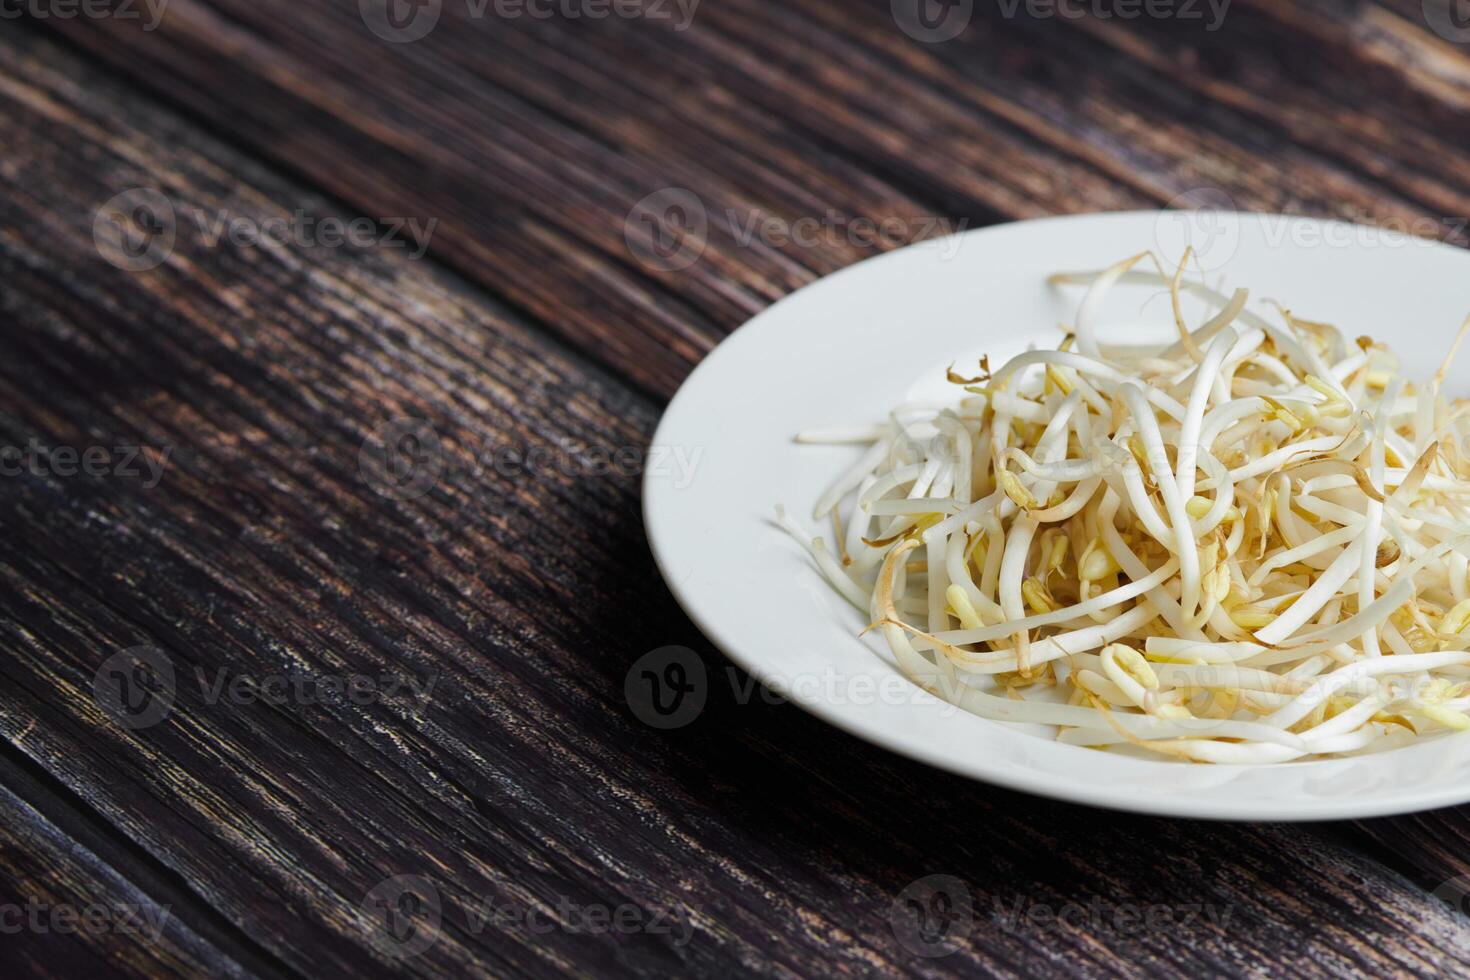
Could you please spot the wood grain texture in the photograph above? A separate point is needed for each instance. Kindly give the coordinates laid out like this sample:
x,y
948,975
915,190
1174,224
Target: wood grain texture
x,y
774,845
491,124
56,858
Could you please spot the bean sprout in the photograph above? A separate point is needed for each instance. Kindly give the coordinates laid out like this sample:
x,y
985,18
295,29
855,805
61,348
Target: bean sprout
x,y
1248,546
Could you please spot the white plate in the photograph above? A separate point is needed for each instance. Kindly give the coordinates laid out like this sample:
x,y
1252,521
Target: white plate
x,y
842,350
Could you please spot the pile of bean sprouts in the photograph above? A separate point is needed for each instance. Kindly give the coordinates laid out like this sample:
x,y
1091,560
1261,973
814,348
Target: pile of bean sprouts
x,y
1248,546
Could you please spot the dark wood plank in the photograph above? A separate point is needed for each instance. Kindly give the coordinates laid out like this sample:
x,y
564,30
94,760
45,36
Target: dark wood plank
x,y
78,902
532,139
74,917
779,844
266,400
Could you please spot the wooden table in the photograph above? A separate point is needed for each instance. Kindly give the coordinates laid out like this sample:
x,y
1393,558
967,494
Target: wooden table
x,y
173,204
